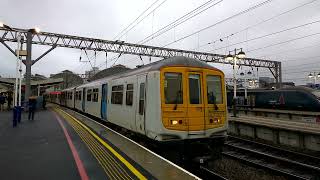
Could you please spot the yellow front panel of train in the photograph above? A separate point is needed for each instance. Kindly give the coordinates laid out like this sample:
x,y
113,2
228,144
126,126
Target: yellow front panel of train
x,y
193,99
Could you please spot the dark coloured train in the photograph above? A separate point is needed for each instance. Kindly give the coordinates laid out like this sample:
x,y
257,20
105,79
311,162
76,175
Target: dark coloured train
x,y
291,98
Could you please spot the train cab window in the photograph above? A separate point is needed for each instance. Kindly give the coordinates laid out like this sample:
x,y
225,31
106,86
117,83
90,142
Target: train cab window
x,y
194,89
117,94
89,92
141,99
173,90
214,89
129,95
95,95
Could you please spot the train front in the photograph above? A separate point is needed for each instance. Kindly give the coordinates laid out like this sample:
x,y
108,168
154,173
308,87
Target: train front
x,y
193,103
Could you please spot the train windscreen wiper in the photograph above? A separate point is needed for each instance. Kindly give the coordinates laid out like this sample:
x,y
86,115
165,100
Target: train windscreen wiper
x,y
215,103
214,100
178,95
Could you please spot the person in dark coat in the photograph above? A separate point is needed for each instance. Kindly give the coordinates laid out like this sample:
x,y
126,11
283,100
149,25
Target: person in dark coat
x,y
44,102
32,107
2,101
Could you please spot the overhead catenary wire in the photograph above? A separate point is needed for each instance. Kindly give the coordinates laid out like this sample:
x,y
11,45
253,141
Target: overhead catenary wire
x,y
222,21
283,42
132,25
200,9
144,17
270,34
261,22
124,31
289,50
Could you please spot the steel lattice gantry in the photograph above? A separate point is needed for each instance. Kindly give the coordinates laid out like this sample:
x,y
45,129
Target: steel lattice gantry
x,y
60,40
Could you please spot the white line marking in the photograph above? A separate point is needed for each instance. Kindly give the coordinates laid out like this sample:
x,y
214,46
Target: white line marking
x,y
153,153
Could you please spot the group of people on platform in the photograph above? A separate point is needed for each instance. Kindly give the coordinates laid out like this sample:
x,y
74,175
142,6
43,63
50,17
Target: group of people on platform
x,y
31,104
5,98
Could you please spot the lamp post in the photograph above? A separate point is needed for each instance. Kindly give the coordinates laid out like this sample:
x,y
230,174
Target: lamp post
x,y
314,75
234,57
245,85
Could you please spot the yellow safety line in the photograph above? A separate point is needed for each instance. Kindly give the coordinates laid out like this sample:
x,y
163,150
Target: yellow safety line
x,y
114,152
93,145
104,157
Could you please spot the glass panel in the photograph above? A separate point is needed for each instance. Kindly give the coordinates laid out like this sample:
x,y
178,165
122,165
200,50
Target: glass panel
x,y
214,89
129,87
141,99
89,94
173,90
129,95
117,94
194,89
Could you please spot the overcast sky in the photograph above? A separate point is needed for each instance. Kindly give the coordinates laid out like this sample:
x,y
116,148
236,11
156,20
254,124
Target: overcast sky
x,y
105,19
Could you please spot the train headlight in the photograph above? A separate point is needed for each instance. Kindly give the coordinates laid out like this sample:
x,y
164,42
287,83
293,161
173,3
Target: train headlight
x,y
174,122
216,120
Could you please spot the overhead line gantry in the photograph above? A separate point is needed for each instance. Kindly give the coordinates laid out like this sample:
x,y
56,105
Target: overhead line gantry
x,y
29,37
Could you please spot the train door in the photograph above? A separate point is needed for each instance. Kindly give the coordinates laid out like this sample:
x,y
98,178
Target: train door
x,y
195,103
141,100
84,100
104,101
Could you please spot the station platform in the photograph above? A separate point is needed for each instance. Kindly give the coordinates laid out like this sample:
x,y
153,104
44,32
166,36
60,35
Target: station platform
x,y
303,127
62,144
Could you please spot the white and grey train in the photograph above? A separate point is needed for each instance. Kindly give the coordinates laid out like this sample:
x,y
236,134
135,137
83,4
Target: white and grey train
x,y
174,99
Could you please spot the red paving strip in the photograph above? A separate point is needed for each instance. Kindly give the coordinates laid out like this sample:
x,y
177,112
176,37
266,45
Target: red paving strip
x,y
81,169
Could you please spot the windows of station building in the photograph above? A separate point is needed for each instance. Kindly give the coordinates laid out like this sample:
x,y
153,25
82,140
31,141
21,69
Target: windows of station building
x,y
117,94
89,92
129,95
95,95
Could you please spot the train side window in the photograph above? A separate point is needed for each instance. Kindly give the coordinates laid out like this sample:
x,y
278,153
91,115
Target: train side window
x,y
194,89
214,89
89,92
117,94
95,95
141,99
77,95
129,95
173,89
80,94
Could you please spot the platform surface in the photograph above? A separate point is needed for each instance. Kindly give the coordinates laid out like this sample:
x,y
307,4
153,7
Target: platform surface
x,y
303,127
61,144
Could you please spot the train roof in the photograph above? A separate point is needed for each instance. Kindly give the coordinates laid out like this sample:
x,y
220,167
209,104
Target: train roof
x,y
172,61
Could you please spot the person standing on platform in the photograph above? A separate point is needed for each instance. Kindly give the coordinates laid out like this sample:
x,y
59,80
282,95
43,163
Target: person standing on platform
x,y
32,107
44,102
2,101
9,100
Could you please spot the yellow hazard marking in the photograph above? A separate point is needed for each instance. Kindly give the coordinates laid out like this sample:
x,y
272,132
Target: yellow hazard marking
x,y
115,171
114,152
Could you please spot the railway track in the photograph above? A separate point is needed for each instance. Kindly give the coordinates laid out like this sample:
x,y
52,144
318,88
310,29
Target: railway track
x,y
209,174
281,161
